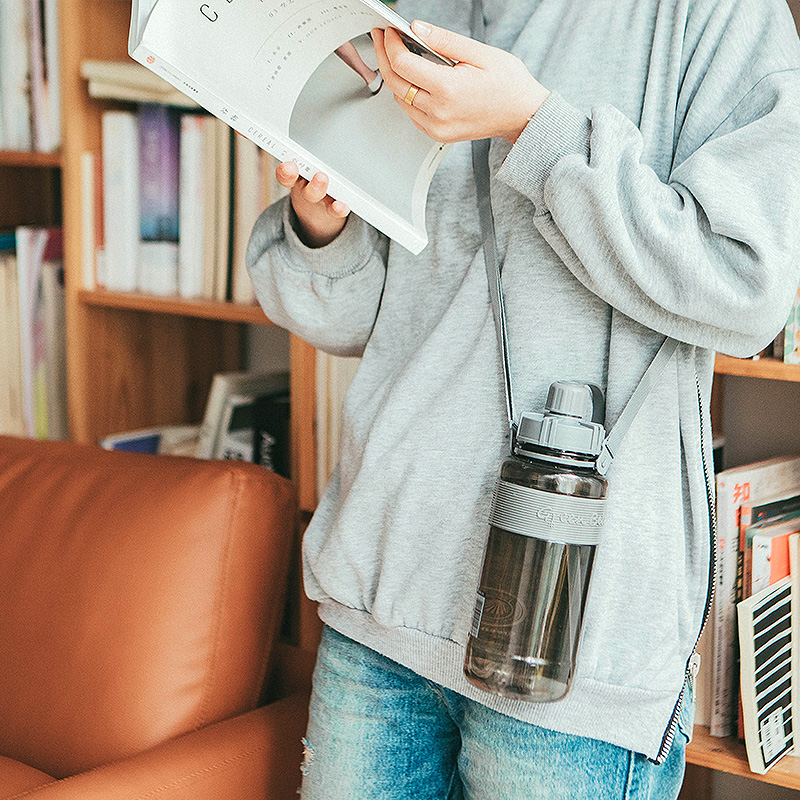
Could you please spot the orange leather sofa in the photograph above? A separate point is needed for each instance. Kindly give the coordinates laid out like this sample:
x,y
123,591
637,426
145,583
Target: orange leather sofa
x,y
140,601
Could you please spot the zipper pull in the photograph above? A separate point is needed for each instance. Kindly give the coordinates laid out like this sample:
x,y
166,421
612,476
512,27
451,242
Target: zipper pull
x,y
694,668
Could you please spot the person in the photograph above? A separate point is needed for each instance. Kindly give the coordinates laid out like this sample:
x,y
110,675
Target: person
x,y
645,164
350,56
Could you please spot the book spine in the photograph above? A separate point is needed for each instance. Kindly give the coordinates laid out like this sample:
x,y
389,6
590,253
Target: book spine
x,y
247,206
159,171
88,221
791,333
159,135
121,199
39,125
15,75
191,204
724,620
52,73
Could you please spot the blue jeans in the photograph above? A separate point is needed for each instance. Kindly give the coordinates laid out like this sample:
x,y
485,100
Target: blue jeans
x,y
379,730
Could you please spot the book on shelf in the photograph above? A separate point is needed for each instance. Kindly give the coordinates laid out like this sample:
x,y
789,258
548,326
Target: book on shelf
x,y
791,333
32,334
121,213
228,384
127,80
255,427
30,95
765,625
334,374
746,485
170,206
174,440
159,138
304,87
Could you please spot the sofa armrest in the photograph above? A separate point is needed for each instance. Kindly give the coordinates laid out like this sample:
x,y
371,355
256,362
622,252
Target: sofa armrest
x,y
255,756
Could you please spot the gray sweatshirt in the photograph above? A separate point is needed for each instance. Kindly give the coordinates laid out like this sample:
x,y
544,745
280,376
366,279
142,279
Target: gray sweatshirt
x,y
656,192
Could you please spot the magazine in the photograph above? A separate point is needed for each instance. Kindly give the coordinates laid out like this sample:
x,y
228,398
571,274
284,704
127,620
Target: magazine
x,y
765,635
299,78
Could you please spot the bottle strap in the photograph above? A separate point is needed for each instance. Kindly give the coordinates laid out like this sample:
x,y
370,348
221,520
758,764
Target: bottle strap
x,y
480,166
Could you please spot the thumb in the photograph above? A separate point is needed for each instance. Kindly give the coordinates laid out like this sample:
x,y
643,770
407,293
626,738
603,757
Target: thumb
x,y
450,44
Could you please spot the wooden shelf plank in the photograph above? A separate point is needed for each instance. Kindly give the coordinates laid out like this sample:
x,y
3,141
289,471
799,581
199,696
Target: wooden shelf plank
x,y
728,755
769,368
24,158
206,309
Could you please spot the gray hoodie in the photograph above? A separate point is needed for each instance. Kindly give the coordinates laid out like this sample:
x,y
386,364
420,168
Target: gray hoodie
x,y
656,192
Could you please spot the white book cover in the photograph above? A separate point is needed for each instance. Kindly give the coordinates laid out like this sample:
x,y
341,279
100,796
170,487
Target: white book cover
x,y
52,72
31,243
766,645
247,207
748,483
121,200
299,78
191,207
234,444
15,77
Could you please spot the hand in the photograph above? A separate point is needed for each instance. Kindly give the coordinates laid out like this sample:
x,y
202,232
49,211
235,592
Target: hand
x,y
489,92
320,218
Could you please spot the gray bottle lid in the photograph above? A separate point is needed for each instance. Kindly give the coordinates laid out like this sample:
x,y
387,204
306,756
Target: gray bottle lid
x,y
572,421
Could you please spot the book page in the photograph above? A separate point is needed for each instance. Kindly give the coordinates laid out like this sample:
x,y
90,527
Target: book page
x,y
299,78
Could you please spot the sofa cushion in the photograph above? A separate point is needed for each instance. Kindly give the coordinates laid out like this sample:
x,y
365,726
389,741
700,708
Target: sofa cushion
x,y
17,777
140,594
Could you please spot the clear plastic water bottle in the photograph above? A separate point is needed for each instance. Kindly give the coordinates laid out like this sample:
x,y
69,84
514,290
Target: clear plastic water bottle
x,y
546,518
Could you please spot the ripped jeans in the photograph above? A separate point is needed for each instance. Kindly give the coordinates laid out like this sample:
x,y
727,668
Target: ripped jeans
x,y
379,730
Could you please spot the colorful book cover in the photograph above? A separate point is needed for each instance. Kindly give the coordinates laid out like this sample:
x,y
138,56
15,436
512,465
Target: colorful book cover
x,y
159,169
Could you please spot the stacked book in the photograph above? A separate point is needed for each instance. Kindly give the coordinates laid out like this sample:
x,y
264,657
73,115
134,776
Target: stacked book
x,y
753,678
246,419
170,202
30,98
33,394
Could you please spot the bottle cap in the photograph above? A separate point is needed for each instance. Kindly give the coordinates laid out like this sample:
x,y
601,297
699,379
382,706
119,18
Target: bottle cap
x,y
572,421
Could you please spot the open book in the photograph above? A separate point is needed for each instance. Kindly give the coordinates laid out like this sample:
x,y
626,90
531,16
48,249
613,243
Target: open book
x,y
299,78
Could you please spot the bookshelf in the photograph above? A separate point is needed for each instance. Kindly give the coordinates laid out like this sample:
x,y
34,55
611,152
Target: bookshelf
x,y
136,361
133,360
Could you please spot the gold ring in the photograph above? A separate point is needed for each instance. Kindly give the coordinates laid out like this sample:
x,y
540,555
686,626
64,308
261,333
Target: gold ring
x,y
411,94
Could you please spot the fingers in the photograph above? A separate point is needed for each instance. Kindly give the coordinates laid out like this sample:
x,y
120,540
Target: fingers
x,y
450,44
287,174
312,192
316,189
398,84
414,68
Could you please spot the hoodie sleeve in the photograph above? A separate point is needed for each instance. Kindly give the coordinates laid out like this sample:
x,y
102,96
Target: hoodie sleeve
x,y
711,256
329,296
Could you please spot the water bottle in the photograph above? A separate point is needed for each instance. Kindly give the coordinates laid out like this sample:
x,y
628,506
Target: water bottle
x,y
546,518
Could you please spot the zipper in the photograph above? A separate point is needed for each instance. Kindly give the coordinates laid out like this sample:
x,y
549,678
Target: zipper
x,y
693,665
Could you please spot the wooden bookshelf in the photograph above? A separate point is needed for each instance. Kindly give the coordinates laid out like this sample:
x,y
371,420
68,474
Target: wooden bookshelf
x,y
728,755
769,368
24,158
204,309
137,361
